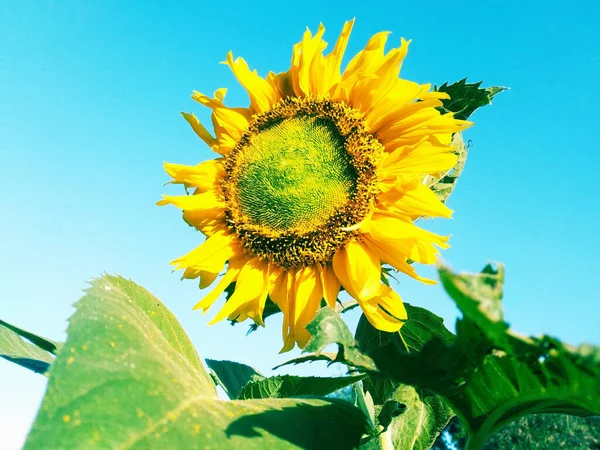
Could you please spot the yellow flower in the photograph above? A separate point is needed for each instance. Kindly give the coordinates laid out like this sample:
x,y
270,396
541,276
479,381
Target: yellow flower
x,y
317,184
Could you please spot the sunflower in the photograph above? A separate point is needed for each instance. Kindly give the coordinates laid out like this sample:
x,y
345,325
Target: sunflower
x,y
318,183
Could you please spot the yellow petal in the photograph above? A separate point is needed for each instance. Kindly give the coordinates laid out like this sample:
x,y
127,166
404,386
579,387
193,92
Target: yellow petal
x,y
309,293
425,158
367,94
231,122
365,60
414,199
281,292
220,94
202,176
199,129
288,330
331,285
384,225
211,255
204,201
333,62
255,308
262,95
358,269
207,278
309,48
386,312
250,285
209,102
395,256
230,276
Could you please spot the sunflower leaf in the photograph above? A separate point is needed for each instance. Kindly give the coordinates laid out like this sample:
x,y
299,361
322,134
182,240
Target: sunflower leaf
x,y
48,345
294,386
125,378
465,97
329,357
329,328
423,417
488,374
425,414
14,348
233,376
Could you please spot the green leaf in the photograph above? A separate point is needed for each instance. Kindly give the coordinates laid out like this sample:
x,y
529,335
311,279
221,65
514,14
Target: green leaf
x,y
488,374
126,379
424,418
39,341
294,386
479,297
444,184
21,351
329,357
159,314
425,414
421,327
364,401
465,97
329,328
233,376
422,353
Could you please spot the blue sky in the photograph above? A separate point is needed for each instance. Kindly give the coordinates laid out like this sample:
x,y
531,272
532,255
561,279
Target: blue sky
x,y
90,96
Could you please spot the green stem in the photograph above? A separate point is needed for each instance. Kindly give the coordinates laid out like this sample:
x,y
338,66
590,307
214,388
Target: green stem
x,y
385,440
474,441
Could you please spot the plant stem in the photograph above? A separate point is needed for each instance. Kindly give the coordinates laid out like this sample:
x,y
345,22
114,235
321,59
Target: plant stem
x,y
385,440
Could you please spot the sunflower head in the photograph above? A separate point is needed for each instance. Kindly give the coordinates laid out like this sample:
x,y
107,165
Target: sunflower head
x,y
318,183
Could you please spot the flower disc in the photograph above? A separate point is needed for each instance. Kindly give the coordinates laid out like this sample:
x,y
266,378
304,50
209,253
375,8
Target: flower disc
x,y
299,179
294,175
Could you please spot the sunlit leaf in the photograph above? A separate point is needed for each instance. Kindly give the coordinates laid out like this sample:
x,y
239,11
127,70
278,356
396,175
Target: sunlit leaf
x,y
46,344
466,98
22,351
233,376
488,374
294,386
127,378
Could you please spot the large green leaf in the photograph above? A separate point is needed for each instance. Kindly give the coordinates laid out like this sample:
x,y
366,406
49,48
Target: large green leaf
x,y
329,328
425,417
159,314
423,353
233,376
425,414
294,386
127,378
21,351
465,97
45,344
529,375
488,373
407,418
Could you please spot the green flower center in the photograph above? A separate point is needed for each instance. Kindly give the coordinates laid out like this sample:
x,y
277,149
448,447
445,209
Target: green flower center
x,y
295,174
300,180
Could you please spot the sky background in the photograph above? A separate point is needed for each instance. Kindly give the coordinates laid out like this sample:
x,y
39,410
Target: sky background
x,y
90,95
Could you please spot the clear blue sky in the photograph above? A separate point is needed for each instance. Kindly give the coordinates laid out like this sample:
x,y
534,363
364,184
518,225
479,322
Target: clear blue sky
x,y
90,95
